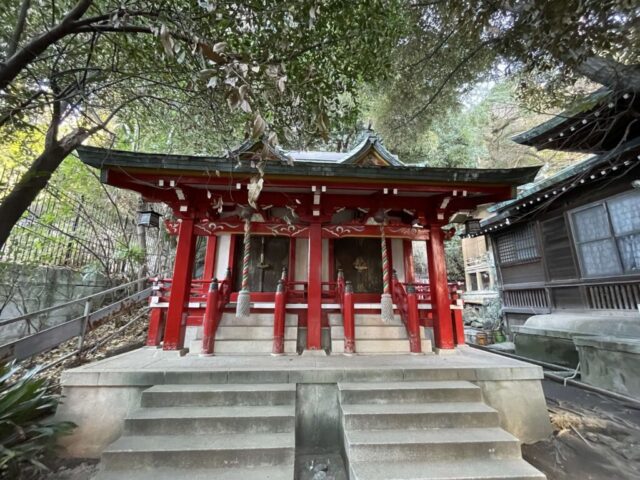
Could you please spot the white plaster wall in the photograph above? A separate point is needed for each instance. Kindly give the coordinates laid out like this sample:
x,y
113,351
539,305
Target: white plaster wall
x,y
302,259
397,257
222,256
325,259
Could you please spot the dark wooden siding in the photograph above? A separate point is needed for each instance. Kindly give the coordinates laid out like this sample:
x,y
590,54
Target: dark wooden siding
x,y
567,298
523,273
558,255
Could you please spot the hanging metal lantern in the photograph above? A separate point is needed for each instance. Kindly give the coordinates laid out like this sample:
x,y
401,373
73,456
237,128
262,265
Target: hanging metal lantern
x,y
149,219
472,226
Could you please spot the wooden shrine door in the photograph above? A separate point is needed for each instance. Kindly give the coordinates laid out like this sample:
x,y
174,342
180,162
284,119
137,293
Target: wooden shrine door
x,y
361,261
269,255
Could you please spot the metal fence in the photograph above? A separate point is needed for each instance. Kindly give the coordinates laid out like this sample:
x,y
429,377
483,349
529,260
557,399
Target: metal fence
x,y
62,229
130,294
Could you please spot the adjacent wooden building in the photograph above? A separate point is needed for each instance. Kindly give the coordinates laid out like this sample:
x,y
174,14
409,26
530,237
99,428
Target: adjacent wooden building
x,y
571,243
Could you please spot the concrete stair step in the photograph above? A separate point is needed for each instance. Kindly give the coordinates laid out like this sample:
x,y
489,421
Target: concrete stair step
x,y
364,319
253,332
216,395
243,347
208,420
372,332
414,416
431,445
476,469
256,319
374,346
409,392
200,451
268,472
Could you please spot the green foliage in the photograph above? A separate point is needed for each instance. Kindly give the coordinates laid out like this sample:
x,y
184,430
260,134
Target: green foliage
x,y
550,48
25,433
454,259
132,253
204,71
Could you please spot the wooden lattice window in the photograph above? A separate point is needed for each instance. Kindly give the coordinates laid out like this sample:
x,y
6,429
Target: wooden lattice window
x,y
518,245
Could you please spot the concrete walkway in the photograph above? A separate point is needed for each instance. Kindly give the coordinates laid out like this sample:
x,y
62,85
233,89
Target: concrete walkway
x,y
150,366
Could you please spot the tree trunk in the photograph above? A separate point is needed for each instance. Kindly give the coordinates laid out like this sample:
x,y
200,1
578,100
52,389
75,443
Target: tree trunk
x,y
34,180
142,243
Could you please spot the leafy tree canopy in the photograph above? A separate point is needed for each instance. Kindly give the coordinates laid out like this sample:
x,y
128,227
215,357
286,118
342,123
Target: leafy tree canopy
x,y
213,69
557,50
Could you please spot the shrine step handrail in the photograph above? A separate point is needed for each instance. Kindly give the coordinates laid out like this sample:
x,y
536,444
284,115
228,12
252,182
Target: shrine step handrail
x,y
279,317
344,298
217,299
406,302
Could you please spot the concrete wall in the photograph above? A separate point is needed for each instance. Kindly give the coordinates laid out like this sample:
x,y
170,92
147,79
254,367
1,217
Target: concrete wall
x,y
26,289
611,363
99,414
521,406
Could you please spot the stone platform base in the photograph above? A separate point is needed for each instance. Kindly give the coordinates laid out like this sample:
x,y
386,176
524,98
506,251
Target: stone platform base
x,y
99,396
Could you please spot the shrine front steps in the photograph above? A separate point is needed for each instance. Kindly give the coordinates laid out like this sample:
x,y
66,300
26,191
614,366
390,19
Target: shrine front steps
x,y
426,431
373,336
207,431
248,336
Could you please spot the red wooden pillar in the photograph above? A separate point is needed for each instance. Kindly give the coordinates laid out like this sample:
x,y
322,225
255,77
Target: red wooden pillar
x,y
209,261
409,271
439,289
314,308
180,287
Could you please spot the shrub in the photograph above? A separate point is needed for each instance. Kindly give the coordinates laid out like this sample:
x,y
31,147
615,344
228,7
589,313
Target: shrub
x,y
26,432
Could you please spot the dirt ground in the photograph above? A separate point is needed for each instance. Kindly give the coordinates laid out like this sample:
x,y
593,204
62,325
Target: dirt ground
x,y
595,437
132,337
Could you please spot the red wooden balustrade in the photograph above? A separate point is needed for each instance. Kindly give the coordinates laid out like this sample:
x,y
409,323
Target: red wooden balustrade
x,y
348,319
279,315
344,297
413,320
156,319
217,298
406,298
406,302
458,324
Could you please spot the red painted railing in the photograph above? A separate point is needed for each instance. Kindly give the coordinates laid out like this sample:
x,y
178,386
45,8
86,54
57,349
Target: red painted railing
x,y
406,297
406,302
297,291
279,316
344,297
217,298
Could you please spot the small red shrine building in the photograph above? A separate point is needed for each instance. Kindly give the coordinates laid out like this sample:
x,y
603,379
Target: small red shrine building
x,y
314,233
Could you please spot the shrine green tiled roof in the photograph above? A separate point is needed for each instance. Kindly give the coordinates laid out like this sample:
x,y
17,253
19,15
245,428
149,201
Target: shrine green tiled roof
x,y
102,158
